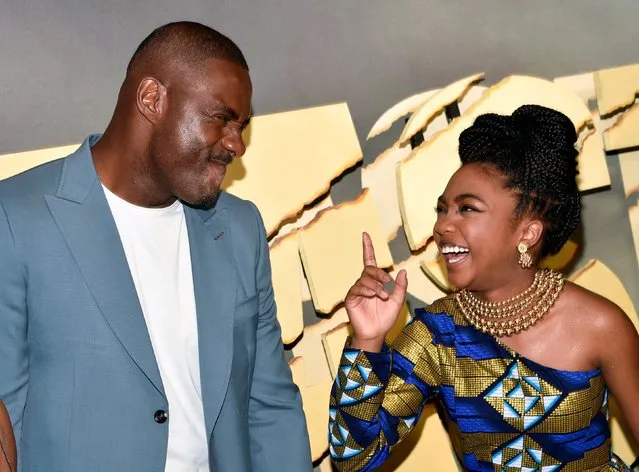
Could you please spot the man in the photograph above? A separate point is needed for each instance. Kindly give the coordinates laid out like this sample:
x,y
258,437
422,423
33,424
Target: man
x,y
138,327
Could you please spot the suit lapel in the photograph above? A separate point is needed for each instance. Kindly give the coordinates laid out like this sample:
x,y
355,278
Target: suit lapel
x,y
84,218
214,282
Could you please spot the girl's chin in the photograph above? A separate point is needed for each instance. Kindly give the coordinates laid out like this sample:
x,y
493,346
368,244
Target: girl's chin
x,y
459,281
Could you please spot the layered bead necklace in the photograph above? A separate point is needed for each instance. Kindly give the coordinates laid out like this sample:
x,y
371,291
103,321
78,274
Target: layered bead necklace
x,y
515,314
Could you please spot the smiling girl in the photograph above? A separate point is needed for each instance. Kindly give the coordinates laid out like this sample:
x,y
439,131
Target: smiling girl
x,y
521,360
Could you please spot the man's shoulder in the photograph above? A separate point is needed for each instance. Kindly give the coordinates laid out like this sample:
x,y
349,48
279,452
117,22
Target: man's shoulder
x,y
241,217
239,211
36,182
228,201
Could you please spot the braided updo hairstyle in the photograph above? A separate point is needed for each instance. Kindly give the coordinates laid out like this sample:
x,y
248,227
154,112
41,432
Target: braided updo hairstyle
x,y
534,148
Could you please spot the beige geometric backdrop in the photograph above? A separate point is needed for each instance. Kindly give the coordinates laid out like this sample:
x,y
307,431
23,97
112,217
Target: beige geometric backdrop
x,y
295,157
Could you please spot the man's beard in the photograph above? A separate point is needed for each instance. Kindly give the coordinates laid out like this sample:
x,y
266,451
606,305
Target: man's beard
x,y
208,201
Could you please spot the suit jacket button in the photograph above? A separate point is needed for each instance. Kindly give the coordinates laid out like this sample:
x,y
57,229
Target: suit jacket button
x,y
160,416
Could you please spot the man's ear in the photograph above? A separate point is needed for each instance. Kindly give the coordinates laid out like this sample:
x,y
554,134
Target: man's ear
x,y
151,99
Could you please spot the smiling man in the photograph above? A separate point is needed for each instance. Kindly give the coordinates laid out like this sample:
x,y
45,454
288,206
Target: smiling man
x,y
139,329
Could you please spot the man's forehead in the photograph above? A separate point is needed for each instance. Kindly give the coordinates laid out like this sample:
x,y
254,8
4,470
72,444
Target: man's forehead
x,y
219,69
222,89
223,79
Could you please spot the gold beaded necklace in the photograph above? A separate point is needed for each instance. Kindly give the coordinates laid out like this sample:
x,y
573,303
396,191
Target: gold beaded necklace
x,y
515,314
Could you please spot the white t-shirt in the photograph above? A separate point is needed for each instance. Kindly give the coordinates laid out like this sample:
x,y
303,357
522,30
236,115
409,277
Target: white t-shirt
x,y
156,245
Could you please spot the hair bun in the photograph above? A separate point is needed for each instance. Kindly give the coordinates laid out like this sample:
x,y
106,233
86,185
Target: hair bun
x,y
549,146
498,128
535,149
548,129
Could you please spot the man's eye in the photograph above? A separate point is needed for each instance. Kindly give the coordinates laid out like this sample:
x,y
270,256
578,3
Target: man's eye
x,y
465,208
439,209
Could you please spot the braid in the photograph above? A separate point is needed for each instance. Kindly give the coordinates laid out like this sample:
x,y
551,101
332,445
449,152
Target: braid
x,y
535,149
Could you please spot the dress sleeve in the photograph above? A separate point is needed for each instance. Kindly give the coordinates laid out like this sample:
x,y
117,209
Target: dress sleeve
x,y
377,398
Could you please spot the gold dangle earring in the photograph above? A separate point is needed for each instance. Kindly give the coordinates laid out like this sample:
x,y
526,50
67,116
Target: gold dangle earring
x,y
525,261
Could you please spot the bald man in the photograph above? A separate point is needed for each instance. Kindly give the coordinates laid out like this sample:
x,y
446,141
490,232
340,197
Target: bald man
x,y
138,329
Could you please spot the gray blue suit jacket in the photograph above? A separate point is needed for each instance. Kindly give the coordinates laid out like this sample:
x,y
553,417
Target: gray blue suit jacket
x,y
77,369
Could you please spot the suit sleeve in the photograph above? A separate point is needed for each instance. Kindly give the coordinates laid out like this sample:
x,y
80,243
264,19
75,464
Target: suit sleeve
x,y
14,361
279,438
377,398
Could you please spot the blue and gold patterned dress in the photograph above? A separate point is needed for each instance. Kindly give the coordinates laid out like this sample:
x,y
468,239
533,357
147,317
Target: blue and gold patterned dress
x,y
503,412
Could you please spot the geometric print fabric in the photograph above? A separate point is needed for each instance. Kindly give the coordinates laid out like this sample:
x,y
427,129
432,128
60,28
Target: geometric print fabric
x,y
521,397
523,454
505,412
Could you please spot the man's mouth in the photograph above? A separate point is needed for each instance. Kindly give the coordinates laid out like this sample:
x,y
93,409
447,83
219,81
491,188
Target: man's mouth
x,y
454,254
224,159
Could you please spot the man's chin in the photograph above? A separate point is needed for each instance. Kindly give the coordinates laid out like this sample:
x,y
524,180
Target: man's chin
x,y
205,202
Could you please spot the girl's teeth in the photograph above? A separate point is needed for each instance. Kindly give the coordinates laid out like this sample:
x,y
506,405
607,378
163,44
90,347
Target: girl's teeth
x,y
454,249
